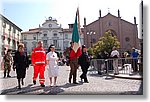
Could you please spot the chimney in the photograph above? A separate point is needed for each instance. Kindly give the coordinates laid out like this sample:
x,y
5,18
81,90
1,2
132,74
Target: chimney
x,y
99,13
134,20
118,13
84,21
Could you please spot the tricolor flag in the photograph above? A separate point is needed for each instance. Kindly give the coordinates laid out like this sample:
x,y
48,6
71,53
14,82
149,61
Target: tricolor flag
x,y
76,35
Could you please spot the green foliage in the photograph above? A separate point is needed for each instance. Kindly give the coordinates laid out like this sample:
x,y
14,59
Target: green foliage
x,y
106,43
90,51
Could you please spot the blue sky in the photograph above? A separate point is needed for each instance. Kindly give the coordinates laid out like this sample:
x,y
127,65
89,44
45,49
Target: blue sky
x,y
29,14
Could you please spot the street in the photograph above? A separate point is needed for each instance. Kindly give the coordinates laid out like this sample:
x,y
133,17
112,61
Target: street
x,y
97,85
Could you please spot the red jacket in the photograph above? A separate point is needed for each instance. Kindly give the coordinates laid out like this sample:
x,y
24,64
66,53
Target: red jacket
x,y
74,55
38,56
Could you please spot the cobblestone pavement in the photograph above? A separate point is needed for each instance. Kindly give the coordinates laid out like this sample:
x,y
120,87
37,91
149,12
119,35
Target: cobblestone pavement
x,y
98,85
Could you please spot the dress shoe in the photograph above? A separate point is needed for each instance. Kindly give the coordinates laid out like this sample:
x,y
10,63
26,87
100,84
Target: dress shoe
x,y
34,82
42,85
69,80
8,76
116,73
86,81
75,83
19,87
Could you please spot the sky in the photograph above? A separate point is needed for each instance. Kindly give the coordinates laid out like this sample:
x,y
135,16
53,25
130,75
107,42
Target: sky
x,y
28,14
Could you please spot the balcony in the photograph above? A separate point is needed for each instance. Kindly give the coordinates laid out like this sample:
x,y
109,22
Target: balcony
x,y
44,38
56,38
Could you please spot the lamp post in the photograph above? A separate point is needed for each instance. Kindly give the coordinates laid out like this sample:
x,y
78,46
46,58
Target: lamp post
x,y
91,33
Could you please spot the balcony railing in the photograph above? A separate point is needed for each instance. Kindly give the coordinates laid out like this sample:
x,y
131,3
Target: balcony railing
x,y
44,38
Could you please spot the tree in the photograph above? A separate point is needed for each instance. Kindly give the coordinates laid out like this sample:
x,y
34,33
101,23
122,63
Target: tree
x,y
106,43
90,51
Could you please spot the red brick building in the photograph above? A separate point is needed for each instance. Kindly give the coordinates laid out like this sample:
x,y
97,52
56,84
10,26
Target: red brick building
x,y
126,32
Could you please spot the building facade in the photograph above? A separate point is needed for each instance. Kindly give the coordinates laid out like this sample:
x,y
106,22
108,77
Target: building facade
x,y
10,35
68,37
50,33
126,32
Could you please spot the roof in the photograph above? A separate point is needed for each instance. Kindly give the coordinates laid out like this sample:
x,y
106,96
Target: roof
x,y
67,30
11,23
31,31
109,14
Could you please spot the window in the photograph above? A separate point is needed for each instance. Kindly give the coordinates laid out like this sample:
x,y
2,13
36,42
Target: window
x,y
55,43
55,34
9,28
34,44
25,44
8,40
14,30
66,36
25,37
66,44
34,37
127,39
45,35
109,23
45,43
4,24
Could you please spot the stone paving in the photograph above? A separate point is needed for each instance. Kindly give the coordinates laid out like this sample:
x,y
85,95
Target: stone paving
x,y
98,85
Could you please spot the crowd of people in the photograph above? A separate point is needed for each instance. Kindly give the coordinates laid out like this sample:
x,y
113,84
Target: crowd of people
x,y
41,59
115,58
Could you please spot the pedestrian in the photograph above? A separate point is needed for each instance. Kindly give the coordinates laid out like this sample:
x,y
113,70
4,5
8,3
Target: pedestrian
x,y
115,56
73,60
38,58
105,57
134,56
21,63
7,60
52,61
123,60
84,62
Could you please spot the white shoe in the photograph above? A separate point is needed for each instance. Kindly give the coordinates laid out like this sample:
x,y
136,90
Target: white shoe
x,y
50,84
55,85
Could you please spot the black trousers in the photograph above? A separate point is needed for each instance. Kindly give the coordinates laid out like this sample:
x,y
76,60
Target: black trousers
x,y
134,65
84,73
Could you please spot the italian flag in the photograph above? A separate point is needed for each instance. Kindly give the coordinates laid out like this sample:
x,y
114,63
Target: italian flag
x,y
76,35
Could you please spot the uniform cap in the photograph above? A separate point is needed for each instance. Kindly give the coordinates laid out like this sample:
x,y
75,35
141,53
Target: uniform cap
x,y
83,46
52,46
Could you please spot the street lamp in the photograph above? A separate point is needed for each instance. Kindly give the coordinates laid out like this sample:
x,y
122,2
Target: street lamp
x,y
91,33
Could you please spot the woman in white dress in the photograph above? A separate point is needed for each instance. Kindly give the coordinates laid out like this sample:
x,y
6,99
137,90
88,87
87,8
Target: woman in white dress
x,y
52,60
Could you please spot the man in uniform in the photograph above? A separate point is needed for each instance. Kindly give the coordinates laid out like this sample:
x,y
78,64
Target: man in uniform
x,y
7,63
73,58
39,63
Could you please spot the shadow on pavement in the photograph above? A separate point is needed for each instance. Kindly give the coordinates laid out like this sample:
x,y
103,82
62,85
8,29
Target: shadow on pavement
x,y
38,90
32,90
8,77
67,85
